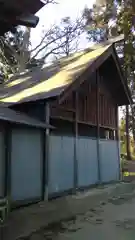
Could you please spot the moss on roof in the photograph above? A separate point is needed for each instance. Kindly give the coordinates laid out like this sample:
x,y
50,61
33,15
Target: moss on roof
x,y
48,81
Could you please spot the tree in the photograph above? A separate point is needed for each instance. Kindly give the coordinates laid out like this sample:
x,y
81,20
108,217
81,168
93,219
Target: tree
x,y
123,137
14,49
69,32
123,140
59,40
100,21
110,18
16,52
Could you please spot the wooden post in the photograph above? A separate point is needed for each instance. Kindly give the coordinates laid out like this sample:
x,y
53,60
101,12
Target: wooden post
x,y
118,140
46,162
127,134
76,141
98,127
43,173
7,143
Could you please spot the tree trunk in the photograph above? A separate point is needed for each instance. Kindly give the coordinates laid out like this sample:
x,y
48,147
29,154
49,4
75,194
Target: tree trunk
x,y
133,126
127,134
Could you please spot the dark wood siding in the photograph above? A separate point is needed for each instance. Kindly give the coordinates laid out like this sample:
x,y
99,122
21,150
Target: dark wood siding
x,y
87,105
33,109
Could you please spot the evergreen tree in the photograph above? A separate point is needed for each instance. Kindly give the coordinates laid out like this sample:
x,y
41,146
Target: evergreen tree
x,y
108,19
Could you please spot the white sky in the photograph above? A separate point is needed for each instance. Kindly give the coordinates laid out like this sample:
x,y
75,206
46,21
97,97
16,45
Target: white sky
x,y
53,13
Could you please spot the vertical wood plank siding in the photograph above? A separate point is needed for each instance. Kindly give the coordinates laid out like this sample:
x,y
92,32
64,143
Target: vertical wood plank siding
x,y
87,106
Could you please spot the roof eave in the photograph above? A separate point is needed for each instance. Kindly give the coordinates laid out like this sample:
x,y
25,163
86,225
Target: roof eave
x,y
122,78
93,67
14,117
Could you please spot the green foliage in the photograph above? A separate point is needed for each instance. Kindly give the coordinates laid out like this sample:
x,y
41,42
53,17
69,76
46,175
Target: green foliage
x,y
13,46
14,49
16,52
110,18
123,139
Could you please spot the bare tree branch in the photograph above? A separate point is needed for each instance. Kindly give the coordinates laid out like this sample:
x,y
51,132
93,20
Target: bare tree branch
x,y
45,46
14,47
46,2
60,37
46,35
49,53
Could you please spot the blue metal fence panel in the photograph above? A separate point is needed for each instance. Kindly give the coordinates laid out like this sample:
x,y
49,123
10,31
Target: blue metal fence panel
x,y
26,157
2,164
61,163
109,160
87,162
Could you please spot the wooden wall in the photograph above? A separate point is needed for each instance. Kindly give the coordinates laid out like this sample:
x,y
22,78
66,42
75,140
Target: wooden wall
x,y
87,105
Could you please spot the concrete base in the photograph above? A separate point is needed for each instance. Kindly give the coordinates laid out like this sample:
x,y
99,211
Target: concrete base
x,y
23,222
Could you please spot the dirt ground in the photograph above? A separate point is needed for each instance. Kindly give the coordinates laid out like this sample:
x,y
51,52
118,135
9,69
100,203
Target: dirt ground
x,y
113,220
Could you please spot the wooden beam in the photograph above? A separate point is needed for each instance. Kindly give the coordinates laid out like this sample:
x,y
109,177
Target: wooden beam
x,y
98,126
83,122
122,78
28,20
46,151
43,137
76,142
118,139
63,108
7,143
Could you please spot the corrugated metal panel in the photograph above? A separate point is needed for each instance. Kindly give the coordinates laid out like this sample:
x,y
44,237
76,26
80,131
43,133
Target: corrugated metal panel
x,y
109,161
87,162
26,157
61,163
2,164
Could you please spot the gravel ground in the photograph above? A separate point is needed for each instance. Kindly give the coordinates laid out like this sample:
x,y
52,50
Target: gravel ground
x,y
111,220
